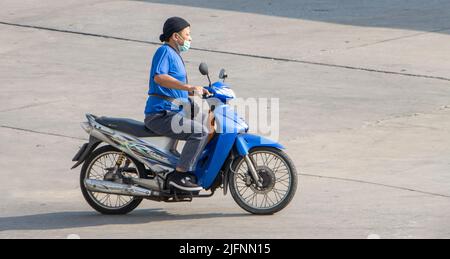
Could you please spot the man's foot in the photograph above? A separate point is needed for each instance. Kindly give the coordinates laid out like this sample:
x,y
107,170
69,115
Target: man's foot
x,y
183,181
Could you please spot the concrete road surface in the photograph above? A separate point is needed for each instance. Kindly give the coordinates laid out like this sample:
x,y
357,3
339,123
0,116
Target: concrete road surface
x,y
364,92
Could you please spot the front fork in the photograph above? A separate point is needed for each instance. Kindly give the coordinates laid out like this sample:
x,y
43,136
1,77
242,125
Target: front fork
x,y
252,170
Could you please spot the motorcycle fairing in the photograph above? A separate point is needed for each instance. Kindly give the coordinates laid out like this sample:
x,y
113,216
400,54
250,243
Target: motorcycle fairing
x,y
232,130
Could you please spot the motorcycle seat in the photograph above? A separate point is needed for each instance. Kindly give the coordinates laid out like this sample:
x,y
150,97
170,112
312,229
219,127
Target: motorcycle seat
x,y
129,126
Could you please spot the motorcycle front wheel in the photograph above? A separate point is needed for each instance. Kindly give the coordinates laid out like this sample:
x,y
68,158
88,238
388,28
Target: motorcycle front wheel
x,y
278,178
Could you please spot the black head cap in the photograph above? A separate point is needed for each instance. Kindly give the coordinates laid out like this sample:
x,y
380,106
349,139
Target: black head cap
x,y
172,25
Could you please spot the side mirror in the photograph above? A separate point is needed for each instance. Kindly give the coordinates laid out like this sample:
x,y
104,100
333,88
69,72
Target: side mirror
x,y
203,69
223,74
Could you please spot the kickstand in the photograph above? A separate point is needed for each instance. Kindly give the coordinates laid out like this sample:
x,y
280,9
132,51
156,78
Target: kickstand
x,y
176,196
178,199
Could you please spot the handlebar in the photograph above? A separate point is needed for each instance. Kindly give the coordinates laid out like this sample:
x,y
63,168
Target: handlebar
x,y
206,96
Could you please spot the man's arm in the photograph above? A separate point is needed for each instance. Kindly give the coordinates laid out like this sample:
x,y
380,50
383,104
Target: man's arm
x,y
171,82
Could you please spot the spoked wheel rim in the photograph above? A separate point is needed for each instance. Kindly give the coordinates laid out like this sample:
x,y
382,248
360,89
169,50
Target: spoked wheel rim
x,y
275,177
97,170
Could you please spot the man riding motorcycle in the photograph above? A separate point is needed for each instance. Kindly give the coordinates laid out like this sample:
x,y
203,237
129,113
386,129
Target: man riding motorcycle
x,y
127,161
168,85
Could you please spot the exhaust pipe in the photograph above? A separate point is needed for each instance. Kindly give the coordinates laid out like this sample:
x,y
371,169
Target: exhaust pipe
x,y
117,188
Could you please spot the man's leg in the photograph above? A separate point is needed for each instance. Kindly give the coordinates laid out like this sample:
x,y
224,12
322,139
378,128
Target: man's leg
x,y
194,132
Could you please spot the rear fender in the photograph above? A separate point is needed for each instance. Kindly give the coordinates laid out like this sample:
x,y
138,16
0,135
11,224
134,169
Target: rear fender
x,y
85,151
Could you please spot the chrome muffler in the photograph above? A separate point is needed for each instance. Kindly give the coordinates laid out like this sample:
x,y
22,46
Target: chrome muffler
x,y
118,188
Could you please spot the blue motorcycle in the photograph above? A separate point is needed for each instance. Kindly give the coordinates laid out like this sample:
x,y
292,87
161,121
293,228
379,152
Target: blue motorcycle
x,y
125,163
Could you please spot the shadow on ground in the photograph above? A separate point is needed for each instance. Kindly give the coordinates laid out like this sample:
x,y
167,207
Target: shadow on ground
x,y
79,219
417,15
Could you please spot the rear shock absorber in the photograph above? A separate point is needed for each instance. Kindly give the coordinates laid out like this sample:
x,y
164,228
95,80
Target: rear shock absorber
x,y
114,174
120,160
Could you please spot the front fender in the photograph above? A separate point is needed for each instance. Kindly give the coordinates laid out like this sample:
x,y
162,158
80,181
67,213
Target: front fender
x,y
245,142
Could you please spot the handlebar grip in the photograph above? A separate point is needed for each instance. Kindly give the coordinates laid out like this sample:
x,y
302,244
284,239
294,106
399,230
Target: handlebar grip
x,y
207,95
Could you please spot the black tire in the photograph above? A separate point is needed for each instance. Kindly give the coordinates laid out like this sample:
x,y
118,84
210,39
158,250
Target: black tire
x,y
287,198
104,210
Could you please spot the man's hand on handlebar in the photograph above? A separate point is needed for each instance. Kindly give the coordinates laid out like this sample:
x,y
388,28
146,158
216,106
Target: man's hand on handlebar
x,y
200,91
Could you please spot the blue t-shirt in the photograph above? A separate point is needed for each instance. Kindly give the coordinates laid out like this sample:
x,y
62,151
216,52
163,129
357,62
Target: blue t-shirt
x,y
166,61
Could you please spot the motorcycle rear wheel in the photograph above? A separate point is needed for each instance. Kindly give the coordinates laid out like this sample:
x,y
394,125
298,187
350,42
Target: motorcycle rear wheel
x,y
108,204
